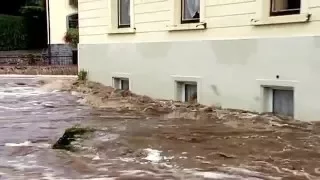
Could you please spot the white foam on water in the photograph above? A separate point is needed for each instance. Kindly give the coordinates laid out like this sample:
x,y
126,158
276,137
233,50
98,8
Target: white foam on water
x,y
18,108
139,173
153,155
26,143
127,159
247,172
96,158
216,175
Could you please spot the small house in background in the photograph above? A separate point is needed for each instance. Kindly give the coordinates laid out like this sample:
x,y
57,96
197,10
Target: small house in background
x,y
257,55
62,15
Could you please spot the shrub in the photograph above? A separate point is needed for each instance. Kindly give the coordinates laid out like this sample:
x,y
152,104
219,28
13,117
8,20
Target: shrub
x,y
72,37
82,75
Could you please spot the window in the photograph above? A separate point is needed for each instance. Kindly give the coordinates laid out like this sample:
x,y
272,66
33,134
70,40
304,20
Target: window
x,y
279,100
187,91
121,83
285,7
281,12
72,21
190,11
123,13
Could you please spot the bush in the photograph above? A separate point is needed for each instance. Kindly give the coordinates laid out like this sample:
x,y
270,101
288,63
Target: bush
x,y
72,37
82,75
13,34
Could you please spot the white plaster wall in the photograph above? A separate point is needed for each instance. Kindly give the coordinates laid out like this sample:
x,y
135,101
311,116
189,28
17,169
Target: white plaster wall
x,y
230,72
59,10
231,58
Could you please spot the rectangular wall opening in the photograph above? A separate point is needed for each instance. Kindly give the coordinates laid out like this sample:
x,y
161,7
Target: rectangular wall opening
x,y
279,100
121,83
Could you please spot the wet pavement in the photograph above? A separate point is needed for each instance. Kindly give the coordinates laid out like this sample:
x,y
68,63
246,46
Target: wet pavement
x,y
128,145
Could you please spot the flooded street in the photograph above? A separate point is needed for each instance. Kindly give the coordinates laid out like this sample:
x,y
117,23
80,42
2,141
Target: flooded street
x,y
30,121
130,145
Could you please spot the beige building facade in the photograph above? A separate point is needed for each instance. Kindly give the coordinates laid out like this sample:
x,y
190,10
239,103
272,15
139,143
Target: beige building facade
x,y
60,17
257,55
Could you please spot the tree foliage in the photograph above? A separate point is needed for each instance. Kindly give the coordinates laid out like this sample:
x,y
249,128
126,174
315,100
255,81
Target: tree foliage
x,y
27,31
13,33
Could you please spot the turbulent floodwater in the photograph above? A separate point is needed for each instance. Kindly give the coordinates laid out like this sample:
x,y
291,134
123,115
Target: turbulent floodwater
x,y
128,145
30,121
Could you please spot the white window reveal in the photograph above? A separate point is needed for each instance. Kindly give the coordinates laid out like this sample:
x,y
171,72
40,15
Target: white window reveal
x,y
121,83
124,13
285,7
190,11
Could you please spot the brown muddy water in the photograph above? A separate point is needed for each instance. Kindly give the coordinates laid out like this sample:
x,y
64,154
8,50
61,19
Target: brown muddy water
x,y
128,145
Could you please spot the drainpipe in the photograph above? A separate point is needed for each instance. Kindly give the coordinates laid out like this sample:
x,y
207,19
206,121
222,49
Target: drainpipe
x,y
49,30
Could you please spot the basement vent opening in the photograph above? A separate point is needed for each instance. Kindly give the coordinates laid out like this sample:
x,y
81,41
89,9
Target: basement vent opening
x,y
121,83
187,91
279,101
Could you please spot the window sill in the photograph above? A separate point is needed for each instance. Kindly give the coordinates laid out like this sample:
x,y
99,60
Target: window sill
x,y
299,18
122,31
186,27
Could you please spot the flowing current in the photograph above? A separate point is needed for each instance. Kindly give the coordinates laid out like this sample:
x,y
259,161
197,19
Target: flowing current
x,y
30,121
132,147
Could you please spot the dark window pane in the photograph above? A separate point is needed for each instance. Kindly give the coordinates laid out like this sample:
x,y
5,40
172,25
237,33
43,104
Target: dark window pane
x,y
190,92
124,13
73,21
285,7
125,84
190,10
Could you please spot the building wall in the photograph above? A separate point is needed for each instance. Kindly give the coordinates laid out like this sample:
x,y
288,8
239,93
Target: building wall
x,y
59,10
225,19
231,60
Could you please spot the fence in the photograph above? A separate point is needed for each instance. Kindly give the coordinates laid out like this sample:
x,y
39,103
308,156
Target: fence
x,y
38,60
38,64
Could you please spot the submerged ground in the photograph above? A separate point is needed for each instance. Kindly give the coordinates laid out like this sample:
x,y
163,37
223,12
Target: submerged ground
x,y
139,138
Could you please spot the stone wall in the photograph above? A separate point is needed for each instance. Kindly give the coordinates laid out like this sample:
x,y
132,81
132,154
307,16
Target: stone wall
x,y
39,70
61,54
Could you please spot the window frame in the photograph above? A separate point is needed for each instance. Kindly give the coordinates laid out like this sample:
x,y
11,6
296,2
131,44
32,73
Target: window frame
x,y
118,83
182,7
263,17
70,17
179,86
175,23
113,21
119,15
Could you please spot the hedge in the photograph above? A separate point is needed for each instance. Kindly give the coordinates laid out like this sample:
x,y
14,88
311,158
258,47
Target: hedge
x,y
21,33
13,33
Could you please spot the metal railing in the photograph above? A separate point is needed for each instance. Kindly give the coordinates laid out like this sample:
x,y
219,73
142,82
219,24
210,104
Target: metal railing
x,y
38,60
